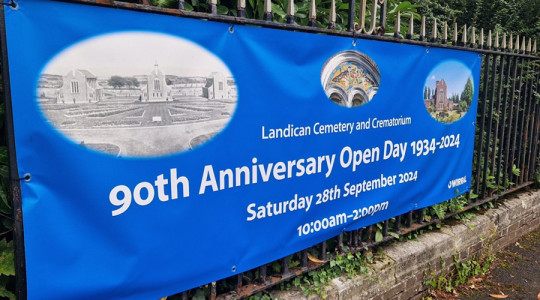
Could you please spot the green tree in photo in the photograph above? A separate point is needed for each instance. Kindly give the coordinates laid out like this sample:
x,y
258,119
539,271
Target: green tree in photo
x,y
468,92
117,82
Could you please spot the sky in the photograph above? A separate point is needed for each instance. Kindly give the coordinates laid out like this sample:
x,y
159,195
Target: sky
x,y
136,53
455,75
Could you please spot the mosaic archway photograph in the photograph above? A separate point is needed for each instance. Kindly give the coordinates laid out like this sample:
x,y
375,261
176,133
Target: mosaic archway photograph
x,y
350,78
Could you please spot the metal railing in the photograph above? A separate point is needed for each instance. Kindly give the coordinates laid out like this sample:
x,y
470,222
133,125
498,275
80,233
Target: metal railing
x,y
507,133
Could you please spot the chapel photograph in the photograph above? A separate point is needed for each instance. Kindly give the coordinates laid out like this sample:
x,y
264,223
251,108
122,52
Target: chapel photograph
x,y
103,95
448,92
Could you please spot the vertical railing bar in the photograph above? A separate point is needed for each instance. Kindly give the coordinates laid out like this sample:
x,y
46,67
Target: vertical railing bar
x,y
213,7
312,14
362,17
360,240
268,10
181,4
350,12
537,128
510,41
410,33
518,104
489,40
398,223
340,243
285,266
385,228
382,18
369,233
332,24
532,120
262,273
481,39
323,251
523,131
184,296
422,29
496,141
464,36
529,128
290,12
304,258
490,123
241,9
455,35
472,44
507,164
445,33
421,215
534,137
239,282
350,240
409,218
499,130
434,31
397,28
481,126
213,291
373,23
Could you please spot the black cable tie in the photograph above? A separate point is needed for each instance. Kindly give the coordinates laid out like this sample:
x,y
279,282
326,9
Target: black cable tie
x,y
11,3
27,177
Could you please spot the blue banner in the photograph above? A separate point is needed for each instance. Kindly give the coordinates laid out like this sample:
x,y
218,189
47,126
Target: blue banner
x,y
166,153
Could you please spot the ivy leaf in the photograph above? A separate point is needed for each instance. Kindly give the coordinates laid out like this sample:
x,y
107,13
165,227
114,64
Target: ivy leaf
x,y
378,236
394,234
4,280
188,7
7,258
515,170
222,10
277,10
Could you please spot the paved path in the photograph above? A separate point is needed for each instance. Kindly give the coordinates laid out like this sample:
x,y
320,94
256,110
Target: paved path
x,y
516,272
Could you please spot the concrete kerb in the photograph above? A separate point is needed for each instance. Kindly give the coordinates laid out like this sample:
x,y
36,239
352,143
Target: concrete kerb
x,y
400,273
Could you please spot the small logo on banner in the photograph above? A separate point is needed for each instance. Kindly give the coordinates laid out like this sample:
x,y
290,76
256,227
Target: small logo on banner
x,y
457,182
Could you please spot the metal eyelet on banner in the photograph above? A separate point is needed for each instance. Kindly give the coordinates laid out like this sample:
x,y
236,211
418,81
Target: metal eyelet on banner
x,y
355,38
27,177
427,49
231,29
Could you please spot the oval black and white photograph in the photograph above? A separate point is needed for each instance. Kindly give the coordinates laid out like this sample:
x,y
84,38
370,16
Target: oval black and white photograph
x,y
137,94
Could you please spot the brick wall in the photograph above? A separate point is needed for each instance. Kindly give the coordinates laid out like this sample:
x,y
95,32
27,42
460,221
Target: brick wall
x,y
400,273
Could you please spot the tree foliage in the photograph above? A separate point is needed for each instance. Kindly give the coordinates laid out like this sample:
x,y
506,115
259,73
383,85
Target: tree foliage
x,y
468,92
118,82
511,16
